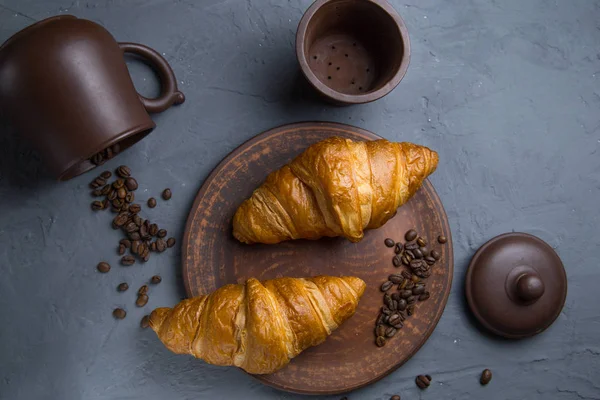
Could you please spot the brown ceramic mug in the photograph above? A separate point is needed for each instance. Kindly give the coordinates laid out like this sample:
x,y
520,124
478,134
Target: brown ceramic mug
x,y
64,85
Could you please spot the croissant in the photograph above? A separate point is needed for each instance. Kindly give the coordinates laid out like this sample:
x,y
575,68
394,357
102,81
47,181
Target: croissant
x,y
337,187
258,326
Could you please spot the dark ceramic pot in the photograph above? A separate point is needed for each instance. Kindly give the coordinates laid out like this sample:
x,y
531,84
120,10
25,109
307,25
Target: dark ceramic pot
x,y
352,51
65,86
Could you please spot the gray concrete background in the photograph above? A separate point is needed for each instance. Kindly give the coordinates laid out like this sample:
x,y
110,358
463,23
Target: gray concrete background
x,y
508,92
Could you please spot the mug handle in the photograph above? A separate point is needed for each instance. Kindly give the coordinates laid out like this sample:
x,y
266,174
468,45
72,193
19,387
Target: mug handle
x,y
169,94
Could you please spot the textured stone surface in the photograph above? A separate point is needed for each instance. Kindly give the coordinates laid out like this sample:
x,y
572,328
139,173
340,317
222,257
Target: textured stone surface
x,y
507,91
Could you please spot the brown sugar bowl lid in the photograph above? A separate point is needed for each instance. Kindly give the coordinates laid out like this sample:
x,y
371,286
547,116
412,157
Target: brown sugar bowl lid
x,y
516,285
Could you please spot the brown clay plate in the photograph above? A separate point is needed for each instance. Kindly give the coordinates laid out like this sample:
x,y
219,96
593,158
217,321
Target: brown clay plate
x,y
348,359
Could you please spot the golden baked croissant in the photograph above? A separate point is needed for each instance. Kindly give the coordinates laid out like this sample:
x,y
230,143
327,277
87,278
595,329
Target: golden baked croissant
x,y
258,326
337,187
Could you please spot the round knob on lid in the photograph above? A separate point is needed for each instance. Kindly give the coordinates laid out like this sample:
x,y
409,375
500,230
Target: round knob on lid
x,y
530,287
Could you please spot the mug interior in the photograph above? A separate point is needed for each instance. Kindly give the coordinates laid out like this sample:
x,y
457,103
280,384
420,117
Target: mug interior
x,y
353,47
85,165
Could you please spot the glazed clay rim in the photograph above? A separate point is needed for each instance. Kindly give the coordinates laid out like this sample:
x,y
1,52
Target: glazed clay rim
x,y
352,98
468,283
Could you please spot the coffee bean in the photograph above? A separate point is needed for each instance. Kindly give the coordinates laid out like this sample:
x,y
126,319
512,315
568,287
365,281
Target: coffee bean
x,y
121,250
118,184
442,239
112,195
394,319
394,305
116,148
430,260
385,309
425,251
97,192
125,243
411,300
145,322
395,397
130,197
410,235
424,296
386,286
171,242
486,377
144,232
105,175
121,219
121,193
103,267
435,254
380,319
410,309
142,300
131,184
418,289
135,245
418,253
124,171
405,260
166,194
398,324
135,208
396,278
142,248
97,205
127,260
143,289
402,286
131,227
380,341
119,313
396,296
161,233
397,261
402,304
151,202
399,247
387,300
105,204
380,330
423,381
389,242
134,236
137,220
108,153
161,245
405,294
156,279
117,204
99,181
421,242
386,319
411,246
153,229
153,246
390,332
122,287
415,279
146,255
407,275
409,255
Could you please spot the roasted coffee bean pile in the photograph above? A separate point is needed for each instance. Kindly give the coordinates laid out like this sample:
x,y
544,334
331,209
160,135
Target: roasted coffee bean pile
x,y
142,236
106,154
408,286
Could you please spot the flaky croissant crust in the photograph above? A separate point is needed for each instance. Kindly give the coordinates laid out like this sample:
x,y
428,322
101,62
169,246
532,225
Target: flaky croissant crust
x,y
336,187
258,326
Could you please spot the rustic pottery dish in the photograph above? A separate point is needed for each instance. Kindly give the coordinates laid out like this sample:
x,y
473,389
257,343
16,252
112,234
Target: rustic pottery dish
x,y
352,51
349,359
65,86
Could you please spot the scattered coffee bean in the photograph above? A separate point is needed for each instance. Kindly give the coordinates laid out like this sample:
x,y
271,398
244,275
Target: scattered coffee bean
x,y
119,313
103,267
425,251
418,290
116,148
380,330
389,242
137,220
405,260
121,193
405,294
423,381
118,184
406,275
386,286
430,260
435,254
97,205
411,246
380,341
145,322
166,194
161,233
399,247
153,229
415,279
442,239
424,296
151,202
409,255
402,304
410,235
411,300
153,246
396,296
127,260
125,243
105,190
121,250
171,242
386,310
142,300
410,310
421,242
418,253
387,300
131,184
121,219
396,278
97,192
395,397
135,245
124,171
112,195
122,287
486,377
143,289
130,198
409,285
105,175
380,320
135,208
156,279
161,245
397,261
390,332
394,319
